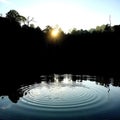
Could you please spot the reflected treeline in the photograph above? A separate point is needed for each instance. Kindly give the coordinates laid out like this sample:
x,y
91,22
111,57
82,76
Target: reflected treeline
x,y
102,80
26,51
14,91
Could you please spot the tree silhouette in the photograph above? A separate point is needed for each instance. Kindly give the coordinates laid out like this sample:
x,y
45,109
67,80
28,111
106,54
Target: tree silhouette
x,y
101,28
47,29
35,50
13,15
29,20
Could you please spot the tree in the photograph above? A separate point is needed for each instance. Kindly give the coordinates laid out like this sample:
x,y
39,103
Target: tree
x,y
100,28
29,20
107,28
23,19
15,16
77,32
48,29
74,31
92,30
32,25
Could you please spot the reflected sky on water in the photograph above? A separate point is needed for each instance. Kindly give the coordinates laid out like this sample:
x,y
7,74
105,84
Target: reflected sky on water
x,y
63,96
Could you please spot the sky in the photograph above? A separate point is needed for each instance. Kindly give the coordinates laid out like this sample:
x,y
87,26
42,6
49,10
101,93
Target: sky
x,y
68,14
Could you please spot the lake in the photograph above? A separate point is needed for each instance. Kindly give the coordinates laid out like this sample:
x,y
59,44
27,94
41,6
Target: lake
x,y
63,96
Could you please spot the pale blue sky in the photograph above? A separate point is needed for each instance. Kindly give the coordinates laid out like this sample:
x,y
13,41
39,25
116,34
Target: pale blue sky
x,y
80,14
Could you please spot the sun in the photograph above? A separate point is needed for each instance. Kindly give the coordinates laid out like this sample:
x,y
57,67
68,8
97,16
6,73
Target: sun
x,y
55,33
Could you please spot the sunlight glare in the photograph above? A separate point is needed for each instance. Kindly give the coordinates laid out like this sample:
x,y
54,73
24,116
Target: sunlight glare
x,y
54,33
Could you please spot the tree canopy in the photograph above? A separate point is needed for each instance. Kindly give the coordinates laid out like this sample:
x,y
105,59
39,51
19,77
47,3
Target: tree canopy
x,y
15,16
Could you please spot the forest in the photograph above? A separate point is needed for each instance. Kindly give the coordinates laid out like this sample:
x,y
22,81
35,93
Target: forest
x,y
28,51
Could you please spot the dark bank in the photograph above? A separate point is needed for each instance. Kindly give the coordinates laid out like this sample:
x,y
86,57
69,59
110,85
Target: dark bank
x,y
26,51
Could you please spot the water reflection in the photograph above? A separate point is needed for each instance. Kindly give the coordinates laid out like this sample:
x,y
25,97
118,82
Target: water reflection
x,y
14,92
62,96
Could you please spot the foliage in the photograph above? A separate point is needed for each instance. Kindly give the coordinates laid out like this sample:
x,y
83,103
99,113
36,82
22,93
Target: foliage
x,y
101,28
15,16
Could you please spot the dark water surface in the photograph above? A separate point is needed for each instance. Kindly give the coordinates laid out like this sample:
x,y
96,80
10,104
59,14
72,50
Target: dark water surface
x,y
71,97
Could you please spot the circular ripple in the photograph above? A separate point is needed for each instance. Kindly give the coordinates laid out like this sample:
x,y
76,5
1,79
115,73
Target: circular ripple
x,y
63,97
